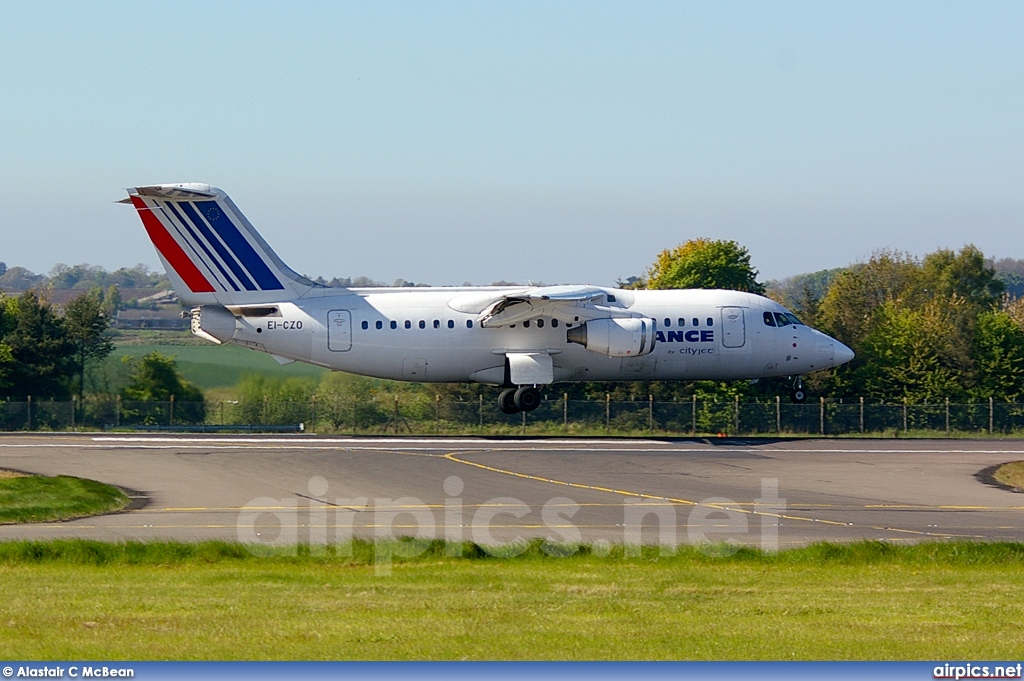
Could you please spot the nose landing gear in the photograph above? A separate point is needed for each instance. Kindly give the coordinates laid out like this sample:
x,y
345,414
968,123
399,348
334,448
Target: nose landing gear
x,y
515,400
797,393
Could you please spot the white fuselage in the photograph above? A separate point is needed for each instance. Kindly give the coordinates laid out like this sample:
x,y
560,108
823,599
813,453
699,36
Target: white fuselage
x,y
421,335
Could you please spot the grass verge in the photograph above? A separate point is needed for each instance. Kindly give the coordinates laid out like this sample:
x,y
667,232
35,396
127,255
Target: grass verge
x,y
1011,474
38,499
165,600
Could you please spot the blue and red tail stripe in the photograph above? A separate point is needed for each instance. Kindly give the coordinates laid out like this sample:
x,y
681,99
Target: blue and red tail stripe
x,y
215,241
238,244
171,251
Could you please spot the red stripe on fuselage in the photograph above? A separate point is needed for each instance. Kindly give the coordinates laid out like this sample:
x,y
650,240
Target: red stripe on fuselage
x,y
171,251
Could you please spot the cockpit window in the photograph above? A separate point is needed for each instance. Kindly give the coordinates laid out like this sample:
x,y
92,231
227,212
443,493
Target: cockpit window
x,y
780,319
792,318
769,320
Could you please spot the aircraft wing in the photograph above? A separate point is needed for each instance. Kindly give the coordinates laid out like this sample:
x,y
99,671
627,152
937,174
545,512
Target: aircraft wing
x,y
565,303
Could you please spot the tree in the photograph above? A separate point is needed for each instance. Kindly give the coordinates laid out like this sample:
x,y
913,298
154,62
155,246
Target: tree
x,y
704,263
914,354
112,301
20,279
41,349
965,274
86,323
999,353
8,321
847,312
155,378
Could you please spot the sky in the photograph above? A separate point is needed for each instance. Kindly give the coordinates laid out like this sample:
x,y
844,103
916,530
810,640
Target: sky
x,y
554,142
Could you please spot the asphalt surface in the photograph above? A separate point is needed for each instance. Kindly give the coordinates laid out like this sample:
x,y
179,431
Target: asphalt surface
x,y
298,489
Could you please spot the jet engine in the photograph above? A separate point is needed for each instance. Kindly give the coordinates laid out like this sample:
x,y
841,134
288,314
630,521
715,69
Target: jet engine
x,y
615,337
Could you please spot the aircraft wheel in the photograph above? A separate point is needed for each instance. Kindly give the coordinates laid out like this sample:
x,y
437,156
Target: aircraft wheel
x,y
507,402
798,395
527,398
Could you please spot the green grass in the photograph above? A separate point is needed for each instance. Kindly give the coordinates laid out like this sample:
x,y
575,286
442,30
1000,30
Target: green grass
x,y
37,499
87,600
1011,474
212,366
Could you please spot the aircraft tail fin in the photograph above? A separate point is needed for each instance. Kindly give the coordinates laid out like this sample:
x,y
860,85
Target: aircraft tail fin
x,y
212,253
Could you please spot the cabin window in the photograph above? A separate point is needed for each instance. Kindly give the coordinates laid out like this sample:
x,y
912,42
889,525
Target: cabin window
x,y
437,323
451,323
611,298
366,325
469,323
668,322
781,320
792,317
696,322
769,320
394,325
526,324
554,323
423,324
711,322
682,322
408,324
540,323
380,325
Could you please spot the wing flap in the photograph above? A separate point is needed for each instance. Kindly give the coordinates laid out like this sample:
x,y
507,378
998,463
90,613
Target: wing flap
x,y
559,302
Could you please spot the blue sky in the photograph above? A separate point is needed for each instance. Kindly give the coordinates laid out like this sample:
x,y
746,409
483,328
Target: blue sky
x,y
445,142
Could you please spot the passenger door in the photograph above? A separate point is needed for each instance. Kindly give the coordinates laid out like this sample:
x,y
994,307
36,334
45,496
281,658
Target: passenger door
x,y
339,330
733,327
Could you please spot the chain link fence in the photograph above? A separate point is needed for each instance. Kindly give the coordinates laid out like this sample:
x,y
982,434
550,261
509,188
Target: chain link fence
x,y
424,414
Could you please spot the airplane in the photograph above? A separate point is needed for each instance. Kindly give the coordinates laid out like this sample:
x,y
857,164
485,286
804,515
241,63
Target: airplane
x,y
518,337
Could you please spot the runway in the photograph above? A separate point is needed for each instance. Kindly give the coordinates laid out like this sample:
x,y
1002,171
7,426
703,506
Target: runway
x,y
298,489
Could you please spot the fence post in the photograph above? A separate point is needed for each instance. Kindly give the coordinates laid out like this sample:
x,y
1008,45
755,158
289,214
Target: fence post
x,y
565,411
904,415
650,412
862,415
74,408
170,415
778,414
990,414
481,396
437,413
736,415
693,418
29,412
607,411
821,416
947,417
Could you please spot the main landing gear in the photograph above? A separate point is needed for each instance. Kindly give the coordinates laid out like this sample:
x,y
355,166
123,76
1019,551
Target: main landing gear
x,y
797,393
515,400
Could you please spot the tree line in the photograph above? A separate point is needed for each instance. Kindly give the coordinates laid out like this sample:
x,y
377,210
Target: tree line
x,y
924,329
46,353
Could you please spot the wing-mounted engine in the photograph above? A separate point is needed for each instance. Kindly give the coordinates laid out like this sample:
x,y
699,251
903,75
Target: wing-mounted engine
x,y
615,337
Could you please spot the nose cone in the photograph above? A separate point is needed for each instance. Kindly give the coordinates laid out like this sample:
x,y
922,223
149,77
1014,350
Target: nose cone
x,y
842,354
